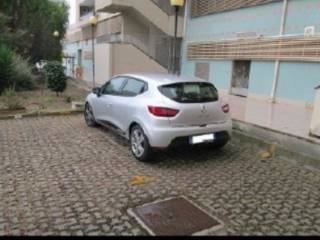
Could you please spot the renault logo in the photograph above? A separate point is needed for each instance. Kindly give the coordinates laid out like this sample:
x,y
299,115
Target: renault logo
x,y
203,109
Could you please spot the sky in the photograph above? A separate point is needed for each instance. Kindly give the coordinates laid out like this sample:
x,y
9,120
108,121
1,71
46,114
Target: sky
x,y
72,12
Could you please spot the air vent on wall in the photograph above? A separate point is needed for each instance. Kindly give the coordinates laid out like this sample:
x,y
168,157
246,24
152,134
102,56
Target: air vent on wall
x,y
309,31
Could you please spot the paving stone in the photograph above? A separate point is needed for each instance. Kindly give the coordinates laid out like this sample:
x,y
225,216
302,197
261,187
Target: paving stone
x,y
59,177
106,228
92,228
94,233
78,233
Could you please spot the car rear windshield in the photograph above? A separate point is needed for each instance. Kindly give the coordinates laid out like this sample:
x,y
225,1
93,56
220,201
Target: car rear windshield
x,y
196,92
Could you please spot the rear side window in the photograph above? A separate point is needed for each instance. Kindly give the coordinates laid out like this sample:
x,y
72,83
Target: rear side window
x,y
133,88
114,86
190,92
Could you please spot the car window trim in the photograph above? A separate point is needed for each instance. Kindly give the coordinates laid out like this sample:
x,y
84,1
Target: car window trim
x,y
146,87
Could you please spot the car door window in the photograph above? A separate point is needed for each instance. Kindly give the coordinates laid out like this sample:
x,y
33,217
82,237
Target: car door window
x,y
114,86
133,88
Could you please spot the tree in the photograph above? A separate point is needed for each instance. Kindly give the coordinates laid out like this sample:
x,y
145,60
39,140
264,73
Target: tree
x,y
56,79
6,68
35,21
13,40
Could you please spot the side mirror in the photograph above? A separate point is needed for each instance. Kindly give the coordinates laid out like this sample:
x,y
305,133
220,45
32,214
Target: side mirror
x,y
96,91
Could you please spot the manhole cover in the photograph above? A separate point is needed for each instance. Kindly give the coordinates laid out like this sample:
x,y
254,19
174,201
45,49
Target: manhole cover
x,y
176,216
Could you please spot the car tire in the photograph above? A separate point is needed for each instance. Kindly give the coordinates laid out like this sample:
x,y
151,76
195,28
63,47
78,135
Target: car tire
x,y
139,144
221,144
89,116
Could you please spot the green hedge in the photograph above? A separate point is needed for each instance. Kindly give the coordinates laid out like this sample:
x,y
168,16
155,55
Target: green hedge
x,y
55,77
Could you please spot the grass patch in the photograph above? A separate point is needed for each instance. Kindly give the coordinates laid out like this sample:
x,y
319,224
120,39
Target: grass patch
x,y
43,99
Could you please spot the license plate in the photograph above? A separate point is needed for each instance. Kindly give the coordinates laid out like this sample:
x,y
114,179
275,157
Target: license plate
x,y
202,139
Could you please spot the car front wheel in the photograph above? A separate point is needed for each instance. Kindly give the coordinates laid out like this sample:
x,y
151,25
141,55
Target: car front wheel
x,y
89,117
140,146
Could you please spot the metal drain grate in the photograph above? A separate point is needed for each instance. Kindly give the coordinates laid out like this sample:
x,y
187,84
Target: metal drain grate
x,y
174,217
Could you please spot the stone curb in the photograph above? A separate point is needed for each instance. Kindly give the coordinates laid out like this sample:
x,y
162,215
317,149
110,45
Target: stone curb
x,y
288,146
41,114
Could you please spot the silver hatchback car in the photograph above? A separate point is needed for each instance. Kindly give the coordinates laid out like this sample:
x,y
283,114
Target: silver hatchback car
x,y
156,111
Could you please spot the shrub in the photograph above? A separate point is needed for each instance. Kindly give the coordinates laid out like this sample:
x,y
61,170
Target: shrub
x,y
11,100
68,99
22,76
15,72
55,77
6,68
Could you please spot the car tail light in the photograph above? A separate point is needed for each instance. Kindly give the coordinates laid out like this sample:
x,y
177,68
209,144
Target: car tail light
x,y
163,112
226,108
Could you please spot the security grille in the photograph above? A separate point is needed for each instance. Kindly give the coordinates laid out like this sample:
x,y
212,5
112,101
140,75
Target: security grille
x,y
204,7
289,48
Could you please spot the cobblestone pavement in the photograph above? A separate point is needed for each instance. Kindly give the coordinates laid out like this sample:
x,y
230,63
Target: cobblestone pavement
x,y
58,177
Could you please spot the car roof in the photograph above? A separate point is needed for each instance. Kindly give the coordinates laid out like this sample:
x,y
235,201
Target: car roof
x,y
161,78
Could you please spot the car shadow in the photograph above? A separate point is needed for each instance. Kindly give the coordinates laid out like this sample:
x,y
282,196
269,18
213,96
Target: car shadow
x,y
114,136
184,154
188,155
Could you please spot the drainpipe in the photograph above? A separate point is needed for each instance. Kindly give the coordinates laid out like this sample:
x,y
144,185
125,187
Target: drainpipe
x,y
175,39
277,66
184,34
186,15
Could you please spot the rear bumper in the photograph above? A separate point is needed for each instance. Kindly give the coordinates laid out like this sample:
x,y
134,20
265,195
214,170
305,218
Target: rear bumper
x,y
220,137
166,137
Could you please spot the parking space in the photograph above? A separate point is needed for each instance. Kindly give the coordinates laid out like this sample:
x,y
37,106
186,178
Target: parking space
x,y
59,177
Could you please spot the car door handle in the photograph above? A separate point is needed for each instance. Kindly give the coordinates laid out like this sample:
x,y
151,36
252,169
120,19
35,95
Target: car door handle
x,y
109,105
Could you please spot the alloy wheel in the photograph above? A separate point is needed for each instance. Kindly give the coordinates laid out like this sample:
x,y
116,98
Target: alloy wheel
x,y
88,114
137,142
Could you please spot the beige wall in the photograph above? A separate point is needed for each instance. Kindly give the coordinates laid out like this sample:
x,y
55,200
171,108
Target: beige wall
x,y
126,58
137,29
147,11
113,59
102,62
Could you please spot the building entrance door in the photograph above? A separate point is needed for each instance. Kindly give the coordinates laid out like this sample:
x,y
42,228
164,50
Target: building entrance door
x,y
79,58
240,78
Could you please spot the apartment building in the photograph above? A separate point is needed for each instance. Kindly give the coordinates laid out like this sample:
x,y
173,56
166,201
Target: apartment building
x,y
131,36
266,49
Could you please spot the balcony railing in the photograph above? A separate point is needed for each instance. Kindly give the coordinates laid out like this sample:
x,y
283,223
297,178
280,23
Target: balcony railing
x,y
101,4
159,49
105,27
86,16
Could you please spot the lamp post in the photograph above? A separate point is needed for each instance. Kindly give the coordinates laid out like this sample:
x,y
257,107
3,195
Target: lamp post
x,y
93,22
176,4
56,34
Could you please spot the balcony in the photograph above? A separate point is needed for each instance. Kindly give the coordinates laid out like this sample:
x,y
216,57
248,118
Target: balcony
x,y
111,6
87,3
149,39
156,12
109,28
